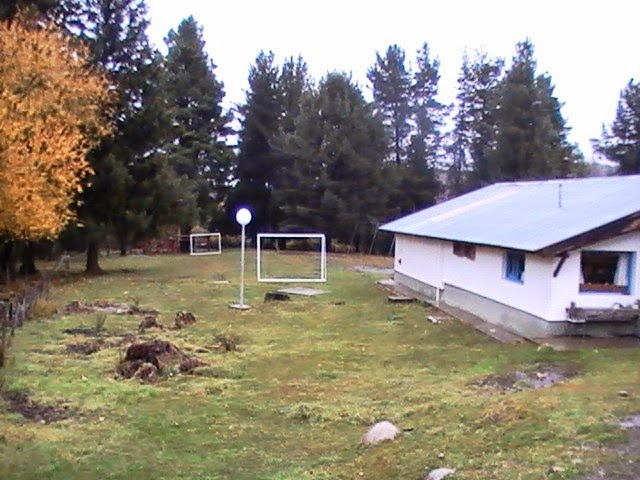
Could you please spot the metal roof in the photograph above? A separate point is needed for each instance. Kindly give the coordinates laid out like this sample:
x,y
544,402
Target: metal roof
x,y
528,216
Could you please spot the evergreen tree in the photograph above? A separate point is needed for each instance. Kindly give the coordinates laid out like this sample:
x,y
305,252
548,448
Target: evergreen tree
x,y
419,183
257,163
391,84
531,134
9,8
338,149
621,142
473,136
115,31
291,185
294,83
196,145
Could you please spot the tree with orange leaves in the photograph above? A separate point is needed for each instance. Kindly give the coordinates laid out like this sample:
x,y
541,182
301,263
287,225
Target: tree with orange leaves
x,y
51,115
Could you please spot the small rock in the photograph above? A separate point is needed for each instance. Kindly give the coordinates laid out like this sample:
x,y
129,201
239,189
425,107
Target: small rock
x,y
623,393
380,432
440,473
556,469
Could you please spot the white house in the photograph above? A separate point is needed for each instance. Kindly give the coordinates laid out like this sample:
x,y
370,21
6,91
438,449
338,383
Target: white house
x,y
540,258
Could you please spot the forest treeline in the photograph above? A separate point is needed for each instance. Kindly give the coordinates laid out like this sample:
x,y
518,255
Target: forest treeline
x,y
107,140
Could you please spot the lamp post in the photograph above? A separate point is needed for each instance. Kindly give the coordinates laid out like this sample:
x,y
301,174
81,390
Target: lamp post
x,y
243,217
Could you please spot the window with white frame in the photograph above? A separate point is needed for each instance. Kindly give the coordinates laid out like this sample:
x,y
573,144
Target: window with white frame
x,y
514,266
602,271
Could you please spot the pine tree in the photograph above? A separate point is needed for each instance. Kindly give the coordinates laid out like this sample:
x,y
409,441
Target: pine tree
x,y
620,143
293,83
115,31
420,183
196,145
338,149
257,162
473,136
531,134
391,84
291,185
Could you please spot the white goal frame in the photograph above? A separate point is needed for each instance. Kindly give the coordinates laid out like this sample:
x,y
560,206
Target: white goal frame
x,y
194,236
323,257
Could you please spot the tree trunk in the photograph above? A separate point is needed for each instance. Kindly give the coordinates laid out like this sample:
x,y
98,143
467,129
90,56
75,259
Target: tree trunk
x,y
93,265
7,261
28,266
123,248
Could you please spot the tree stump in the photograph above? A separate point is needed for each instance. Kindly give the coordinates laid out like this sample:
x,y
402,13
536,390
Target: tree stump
x,y
276,297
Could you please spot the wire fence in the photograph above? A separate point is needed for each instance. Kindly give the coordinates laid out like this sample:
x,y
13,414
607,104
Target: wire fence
x,y
17,309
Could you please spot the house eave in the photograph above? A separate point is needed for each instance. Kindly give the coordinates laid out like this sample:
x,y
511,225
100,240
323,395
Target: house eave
x,y
628,224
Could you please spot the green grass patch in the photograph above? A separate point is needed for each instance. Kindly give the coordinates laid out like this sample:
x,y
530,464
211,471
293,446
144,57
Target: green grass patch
x,y
290,387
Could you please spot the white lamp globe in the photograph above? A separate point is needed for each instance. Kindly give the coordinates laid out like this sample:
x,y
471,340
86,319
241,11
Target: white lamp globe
x,y
243,216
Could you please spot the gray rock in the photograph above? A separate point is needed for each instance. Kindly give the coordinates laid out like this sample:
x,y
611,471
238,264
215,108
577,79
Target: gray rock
x,y
439,473
381,432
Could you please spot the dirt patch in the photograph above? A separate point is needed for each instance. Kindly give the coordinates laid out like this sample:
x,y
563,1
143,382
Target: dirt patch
x,y
87,348
77,307
627,466
20,402
120,340
147,360
86,331
528,379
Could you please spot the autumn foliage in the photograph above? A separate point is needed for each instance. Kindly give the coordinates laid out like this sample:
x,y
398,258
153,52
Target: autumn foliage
x,y
51,114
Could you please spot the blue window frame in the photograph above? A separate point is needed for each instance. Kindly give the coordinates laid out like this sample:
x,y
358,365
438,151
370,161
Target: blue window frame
x,y
514,266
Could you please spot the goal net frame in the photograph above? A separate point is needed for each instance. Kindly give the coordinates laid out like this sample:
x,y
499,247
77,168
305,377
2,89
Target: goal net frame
x,y
323,257
193,247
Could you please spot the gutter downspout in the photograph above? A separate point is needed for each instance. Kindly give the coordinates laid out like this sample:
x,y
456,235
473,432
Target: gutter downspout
x,y
440,287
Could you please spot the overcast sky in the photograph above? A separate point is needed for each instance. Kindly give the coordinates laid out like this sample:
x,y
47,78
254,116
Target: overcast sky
x,y
589,48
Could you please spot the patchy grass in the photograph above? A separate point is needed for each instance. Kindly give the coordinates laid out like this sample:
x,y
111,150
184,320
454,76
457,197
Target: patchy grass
x,y
308,379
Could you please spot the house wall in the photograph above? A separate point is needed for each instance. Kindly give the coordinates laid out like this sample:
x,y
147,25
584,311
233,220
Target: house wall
x,y
485,276
433,262
566,286
420,259
536,307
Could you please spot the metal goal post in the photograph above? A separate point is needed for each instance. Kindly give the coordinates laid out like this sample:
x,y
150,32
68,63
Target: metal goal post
x,y
322,270
205,244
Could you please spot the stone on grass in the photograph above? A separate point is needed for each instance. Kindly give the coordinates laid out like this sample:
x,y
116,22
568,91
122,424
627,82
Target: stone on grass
x,y
380,432
439,473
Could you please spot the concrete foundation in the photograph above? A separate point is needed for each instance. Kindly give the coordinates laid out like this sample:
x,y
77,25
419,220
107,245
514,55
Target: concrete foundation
x,y
513,319
423,290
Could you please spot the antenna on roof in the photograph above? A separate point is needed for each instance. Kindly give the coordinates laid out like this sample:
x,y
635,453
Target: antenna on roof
x,y
560,195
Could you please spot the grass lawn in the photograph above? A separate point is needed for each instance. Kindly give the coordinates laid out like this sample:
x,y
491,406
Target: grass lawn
x,y
310,376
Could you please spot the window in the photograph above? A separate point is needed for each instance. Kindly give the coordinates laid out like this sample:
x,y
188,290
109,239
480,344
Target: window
x,y
514,266
466,250
605,271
